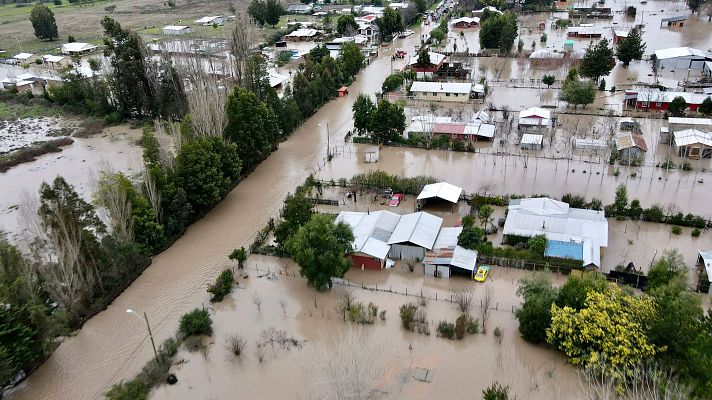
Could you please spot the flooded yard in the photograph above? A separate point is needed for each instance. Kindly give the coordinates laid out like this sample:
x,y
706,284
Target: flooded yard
x,y
27,131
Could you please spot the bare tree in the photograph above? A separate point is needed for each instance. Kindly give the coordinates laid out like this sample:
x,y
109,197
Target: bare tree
x,y
283,304
650,381
596,382
344,302
235,344
463,295
243,38
111,194
257,301
152,193
423,298
487,297
346,365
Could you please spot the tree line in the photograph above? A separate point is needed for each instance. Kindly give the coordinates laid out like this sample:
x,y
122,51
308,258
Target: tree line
x,y
77,262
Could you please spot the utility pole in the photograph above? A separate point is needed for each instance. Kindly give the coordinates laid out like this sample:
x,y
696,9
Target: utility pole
x,y
150,334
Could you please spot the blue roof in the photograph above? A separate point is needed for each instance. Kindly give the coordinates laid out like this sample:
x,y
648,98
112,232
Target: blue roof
x,y
555,248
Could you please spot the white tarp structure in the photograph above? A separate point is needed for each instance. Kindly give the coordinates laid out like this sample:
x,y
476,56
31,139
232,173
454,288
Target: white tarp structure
x,y
688,137
557,221
414,234
591,144
441,190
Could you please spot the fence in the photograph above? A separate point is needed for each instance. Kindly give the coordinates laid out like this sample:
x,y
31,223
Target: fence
x,y
525,264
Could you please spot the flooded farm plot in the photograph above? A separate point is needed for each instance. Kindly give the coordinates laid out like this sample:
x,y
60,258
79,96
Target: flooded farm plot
x,y
459,369
16,134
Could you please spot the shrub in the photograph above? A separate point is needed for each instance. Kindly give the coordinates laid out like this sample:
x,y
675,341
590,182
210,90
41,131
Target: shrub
x,y
497,332
676,230
686,166
236,344
383,315
196,322
696,232
496,392
407,315
361,314
473,325
221,287
460,326
133,389
194,343
537,244
446,329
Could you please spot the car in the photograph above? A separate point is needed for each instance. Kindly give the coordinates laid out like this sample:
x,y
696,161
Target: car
x,y
482,273
395,200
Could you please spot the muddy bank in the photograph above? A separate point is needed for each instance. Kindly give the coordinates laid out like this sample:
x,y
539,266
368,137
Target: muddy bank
x,y
29,154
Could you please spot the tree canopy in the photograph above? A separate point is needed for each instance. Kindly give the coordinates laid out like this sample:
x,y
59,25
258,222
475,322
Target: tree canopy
x,y
363,110
630,48
596,61
320,247
352,58
297,211
346,23
577,92
499,32
677,106
43,22
390,23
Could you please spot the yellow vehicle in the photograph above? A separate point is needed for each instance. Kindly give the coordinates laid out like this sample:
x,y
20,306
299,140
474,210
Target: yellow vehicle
x,y
482,273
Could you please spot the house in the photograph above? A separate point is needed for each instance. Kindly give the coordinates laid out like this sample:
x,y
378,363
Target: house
x,y
215,20
343,91
704,260
276,80
451,70
681,58
78,48
656,100
370,31
530,141
52,60
440,191
465,23
426,71
534,120
399,5
587,31
414,235
478,13
571,232
674,21
301,35
630,146
374,10
470,131
176,30
24,57
447,258
441,91
23,82
692,143
682,123
619,35
371,233
300,8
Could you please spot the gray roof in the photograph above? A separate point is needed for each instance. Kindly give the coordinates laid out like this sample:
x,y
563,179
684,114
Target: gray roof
x,y
419,228
371,230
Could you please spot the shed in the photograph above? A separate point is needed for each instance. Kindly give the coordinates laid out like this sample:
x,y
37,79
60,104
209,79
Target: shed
x,y
692,143
52,60
77,48
591,144
446,261
211,20
24,57
674,21
534,119
630,146
371,154
568,45
440,190
343,91
681,57
414,234
704,259
176,30
531,141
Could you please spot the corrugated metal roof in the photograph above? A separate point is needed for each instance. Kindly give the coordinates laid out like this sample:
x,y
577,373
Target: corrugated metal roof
x,y
447,237
441,190
692,136
707,260
369,229
528,138
627,140
454,255
441,87
591,143
418,228
690,121
536,112
435,59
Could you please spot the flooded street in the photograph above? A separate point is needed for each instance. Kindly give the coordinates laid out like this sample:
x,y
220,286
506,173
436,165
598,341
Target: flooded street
x,y
114,345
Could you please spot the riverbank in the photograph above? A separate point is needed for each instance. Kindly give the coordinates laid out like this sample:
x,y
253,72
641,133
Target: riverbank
x,y
29,154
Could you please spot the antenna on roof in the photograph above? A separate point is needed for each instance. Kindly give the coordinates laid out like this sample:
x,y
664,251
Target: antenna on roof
x,y
543,224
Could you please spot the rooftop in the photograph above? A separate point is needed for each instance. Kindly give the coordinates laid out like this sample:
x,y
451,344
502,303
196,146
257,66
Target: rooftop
x,y
441,190
435,58
628,140
675,52
419,228
442,87
692,136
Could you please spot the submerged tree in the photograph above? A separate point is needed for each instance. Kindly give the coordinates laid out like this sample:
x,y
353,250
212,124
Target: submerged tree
x,y
630,48
597,60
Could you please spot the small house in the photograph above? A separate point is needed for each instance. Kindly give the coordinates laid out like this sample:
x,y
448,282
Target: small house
x,y
301,35
299,8
568,45
619,35
215,20
441,91
630,147
534,120
414,235
176,30
371,232
586,31
52,60
692,143
24,57
681,58
656,100
677,21
343,91
78,48
466,23
531,141
444,262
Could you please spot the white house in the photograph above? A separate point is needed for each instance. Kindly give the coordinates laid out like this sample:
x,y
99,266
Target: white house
x,y
534,120
78,48
209,21
571,232
23,57
693,143
441,91
176,30
371,233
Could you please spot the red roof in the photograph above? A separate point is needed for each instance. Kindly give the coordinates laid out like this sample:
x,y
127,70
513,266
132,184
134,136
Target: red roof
x,y
450,129
640,142
343,89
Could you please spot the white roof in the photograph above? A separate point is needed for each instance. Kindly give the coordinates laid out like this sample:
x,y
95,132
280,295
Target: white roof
x,y
172,28
595,143
536,112
667,97
692,136
442,190
690,121
467,20
529,138
52,59
447,237
623,34
22,56
435,58
207,20
585,30
418,228
441,87
303,33
276,79
398,5
371,230
676,52
557,221
707,260
464,258
77,47
491,8
546,54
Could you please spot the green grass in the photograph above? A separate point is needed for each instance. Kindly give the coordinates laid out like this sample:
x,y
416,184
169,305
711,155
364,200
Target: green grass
x,y
10,13
11,110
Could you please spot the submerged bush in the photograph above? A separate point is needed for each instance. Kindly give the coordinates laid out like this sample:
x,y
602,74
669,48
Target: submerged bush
x,y
196,322
222,286
446,329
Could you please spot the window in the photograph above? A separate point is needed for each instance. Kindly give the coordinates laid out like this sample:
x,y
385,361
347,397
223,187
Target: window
x,y
447,94
435,94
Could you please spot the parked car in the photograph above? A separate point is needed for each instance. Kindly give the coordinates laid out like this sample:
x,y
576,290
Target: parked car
x,y
395,200
400,53
482,272
387,193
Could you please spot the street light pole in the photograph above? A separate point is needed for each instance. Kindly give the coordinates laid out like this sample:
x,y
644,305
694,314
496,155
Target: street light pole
x,y
150,334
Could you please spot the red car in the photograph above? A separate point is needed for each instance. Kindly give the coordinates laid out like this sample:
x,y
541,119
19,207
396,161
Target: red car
x,y
400,53
395,200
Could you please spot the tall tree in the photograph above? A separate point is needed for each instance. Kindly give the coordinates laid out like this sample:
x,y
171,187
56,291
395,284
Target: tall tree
x,y
597,60
346,24
388,122
420,6
677,106
630,48
695,5
273,10
258,11
297,211
43,22
320,248
363,110
352,59
390,23
256,77
130,84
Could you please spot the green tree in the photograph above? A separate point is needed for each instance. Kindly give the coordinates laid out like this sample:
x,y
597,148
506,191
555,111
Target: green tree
x,y
596,61
392,82
239,255
351,58
297,211
484,214
620,204
573,292
669,268
496,392
548,80
677,106
438,35
470,237
423,58
388,122
320,248
420,6
698,363
499,31
695,5
252,126
635,211
206,169
258,11
256,77
574,91
273,10
346,23
43,22
630,48
363,109
537,244
318,53
390,23
706,107
534,315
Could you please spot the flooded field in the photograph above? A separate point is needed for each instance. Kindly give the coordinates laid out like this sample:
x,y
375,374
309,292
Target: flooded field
x,y
459,369
114,346
24,132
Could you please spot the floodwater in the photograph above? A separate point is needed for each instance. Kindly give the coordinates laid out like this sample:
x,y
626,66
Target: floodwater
x,y
115,147
113,345
24,132
459,368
